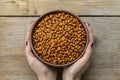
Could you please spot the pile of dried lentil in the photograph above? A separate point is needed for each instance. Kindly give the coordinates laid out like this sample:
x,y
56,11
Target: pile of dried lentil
x,y
59,38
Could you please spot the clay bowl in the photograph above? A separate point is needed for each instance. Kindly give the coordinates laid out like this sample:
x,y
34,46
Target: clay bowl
x,y
58,65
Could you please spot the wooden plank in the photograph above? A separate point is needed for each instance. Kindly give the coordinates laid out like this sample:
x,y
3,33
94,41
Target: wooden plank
x,y
80,7
13,64
104,65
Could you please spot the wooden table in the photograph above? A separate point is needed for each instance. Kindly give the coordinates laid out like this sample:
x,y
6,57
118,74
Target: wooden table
x,y
103,15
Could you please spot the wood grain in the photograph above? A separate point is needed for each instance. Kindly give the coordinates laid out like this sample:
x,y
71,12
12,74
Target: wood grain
x,y
13,65
80,7
105,64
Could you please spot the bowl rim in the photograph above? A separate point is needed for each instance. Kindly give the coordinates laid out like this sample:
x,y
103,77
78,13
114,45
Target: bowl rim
x,y
35,24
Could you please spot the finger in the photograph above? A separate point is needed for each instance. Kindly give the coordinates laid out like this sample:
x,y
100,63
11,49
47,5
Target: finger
x,y
91,40
87,55
30,57
28,51
82,72
84,69
29,30
88,52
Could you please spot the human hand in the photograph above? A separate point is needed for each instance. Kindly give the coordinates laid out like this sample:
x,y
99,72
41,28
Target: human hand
x,y
76,70
43,71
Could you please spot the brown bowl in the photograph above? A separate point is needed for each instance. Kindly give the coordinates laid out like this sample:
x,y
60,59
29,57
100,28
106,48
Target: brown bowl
x,y
58,65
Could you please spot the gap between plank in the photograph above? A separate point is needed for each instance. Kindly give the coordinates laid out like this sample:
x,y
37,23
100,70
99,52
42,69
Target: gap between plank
x,y
78,15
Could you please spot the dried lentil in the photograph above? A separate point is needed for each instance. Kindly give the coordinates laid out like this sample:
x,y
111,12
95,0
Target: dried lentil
x,y
59,38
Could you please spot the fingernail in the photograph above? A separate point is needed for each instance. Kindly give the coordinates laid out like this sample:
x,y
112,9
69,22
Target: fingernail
x,y
92,44
26,43
84,22
88,24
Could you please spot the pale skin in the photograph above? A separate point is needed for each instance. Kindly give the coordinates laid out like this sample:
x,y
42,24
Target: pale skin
x,y
72,72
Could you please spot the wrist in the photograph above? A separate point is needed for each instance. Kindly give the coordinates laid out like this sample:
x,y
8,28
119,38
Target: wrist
x,y
46,77
41,77
77,78
68,77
